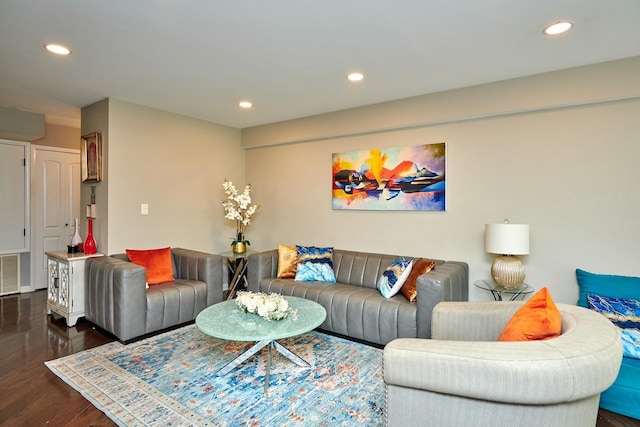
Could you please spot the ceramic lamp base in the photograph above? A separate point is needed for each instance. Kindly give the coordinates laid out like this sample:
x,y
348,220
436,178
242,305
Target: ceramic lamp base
x,y
507,271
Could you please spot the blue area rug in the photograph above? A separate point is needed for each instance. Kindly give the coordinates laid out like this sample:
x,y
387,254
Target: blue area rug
x,y
170,380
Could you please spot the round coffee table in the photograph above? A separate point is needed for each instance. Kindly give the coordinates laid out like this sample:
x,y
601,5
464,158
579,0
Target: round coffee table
x,y
227,321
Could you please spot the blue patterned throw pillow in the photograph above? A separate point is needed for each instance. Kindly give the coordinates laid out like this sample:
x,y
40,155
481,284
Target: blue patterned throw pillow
x,y
625,314
630,342
394,277
315,264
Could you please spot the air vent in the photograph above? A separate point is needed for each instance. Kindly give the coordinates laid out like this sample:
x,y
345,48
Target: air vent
x,y
9,274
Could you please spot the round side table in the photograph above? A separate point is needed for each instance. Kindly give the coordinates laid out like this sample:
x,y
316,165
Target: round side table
x,y
498,291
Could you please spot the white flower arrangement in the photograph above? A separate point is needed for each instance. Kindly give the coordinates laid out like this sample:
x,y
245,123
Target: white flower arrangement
x,y
238,208
272,306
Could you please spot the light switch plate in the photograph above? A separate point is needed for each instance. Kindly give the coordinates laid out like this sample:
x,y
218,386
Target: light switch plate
x,y
144,209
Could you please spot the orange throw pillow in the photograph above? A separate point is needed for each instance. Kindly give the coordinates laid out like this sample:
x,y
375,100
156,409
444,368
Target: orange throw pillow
x,y
410,287
157,262
538,319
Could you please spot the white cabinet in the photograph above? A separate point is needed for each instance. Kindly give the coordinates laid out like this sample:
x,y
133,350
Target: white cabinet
x,y
14,192
65,284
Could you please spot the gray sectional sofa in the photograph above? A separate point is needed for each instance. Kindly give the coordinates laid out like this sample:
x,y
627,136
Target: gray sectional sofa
x,y
355,308
116,298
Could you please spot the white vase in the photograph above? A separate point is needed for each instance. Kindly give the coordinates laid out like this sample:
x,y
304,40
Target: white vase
x,y
76,239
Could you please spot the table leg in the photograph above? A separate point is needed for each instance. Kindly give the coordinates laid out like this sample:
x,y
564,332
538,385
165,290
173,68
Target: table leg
x,y
290,355
516,295
244,356
267,376
256,348
238,271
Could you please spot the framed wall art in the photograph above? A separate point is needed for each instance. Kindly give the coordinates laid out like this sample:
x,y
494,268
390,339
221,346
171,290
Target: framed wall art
x,y
91,158
401,178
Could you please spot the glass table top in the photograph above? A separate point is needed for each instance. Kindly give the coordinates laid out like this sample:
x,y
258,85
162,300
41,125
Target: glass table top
x,y
490,285
233,255
227,321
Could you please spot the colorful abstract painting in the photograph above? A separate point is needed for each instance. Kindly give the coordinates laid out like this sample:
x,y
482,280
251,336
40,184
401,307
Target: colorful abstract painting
x,y
401,178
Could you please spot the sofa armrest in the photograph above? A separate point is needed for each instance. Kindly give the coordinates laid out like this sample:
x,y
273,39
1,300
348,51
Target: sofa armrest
x,y
261,265
449,281
513,372
115,296
202,266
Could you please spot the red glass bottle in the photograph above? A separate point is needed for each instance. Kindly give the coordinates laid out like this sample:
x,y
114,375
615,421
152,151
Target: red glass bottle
x,y
89,243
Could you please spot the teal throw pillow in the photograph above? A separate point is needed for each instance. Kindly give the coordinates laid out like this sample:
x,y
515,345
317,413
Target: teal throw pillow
x,y
606,285
315,264
394,277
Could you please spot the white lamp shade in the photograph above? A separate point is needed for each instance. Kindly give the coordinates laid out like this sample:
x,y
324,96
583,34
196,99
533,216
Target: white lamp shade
x,y
506,239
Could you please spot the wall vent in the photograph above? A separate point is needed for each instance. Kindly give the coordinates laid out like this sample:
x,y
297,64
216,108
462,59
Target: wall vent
x,y
9,274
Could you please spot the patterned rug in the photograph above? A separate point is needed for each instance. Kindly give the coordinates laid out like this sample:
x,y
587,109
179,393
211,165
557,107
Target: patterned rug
x,y
169,380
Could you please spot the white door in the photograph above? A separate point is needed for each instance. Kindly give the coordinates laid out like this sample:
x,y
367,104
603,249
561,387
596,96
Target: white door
x,y
55,190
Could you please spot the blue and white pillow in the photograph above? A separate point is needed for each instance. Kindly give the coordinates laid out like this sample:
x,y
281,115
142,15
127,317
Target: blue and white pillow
x,y
630,342
623,313
315,264
394,277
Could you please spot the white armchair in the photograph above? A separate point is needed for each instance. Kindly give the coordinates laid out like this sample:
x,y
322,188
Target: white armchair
x,y
464,377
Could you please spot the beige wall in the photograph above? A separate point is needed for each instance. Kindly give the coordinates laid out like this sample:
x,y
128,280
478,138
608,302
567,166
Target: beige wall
x,y
95,118
60,137
558,151
173,163
20,125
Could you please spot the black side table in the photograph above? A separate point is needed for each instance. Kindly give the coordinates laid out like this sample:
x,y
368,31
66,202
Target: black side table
x,y
497,291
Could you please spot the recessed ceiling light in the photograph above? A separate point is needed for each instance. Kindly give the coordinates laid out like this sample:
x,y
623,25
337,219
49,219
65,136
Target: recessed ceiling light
x,y
355,77
245,104
557,28
57,49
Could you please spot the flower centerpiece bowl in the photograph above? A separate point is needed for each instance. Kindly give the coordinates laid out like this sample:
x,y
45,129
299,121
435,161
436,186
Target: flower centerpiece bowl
x,y
269,306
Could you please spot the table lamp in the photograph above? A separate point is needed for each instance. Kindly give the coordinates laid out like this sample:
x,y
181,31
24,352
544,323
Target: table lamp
x,y
507,240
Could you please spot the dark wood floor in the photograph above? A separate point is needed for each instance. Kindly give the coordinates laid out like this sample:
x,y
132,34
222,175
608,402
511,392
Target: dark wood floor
x,y
31,395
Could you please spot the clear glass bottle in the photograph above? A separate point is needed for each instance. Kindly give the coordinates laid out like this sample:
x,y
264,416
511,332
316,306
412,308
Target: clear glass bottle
x,y
76,239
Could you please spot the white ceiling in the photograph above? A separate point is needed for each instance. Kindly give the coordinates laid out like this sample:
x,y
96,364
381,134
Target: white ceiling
x,y
290,57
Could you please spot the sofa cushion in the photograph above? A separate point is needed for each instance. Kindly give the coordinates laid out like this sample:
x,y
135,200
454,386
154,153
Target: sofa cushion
x,y
623,396
287,261
394,276
315,264
420,266
157,263
537,319
175,303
